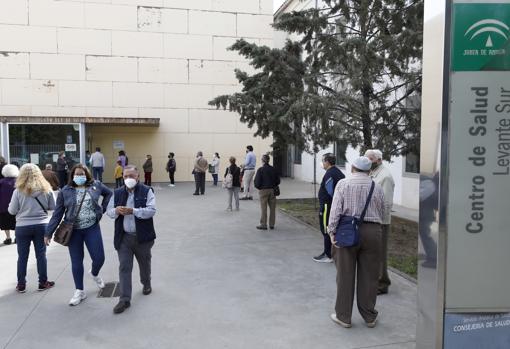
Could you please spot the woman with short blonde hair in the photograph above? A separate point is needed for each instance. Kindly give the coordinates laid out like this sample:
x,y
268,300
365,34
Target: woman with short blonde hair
x,y
30,203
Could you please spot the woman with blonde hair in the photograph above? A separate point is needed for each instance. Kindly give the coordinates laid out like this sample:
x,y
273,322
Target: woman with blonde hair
x,y
30,203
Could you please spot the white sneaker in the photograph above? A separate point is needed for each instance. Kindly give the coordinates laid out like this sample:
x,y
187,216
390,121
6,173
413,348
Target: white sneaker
x,y
97,279
78,297
171,185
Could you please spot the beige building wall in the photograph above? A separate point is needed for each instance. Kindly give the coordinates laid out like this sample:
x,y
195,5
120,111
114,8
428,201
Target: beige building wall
x,y
133,59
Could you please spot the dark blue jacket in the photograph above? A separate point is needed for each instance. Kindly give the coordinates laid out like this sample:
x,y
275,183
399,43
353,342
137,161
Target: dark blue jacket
x,y
328,184
66,204
144,227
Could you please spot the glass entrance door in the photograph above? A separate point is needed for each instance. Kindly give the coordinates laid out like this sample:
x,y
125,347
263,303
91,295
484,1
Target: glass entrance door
x,y
40,144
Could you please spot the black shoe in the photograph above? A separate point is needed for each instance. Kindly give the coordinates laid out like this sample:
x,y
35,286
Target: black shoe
x,y
244,198
8,241
196,194
261,227
382,291
21,288
46,285
272,228
250,198
119,308
147,290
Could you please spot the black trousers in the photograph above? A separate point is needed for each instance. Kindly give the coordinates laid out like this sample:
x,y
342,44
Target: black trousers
x,y
172,177
324,212
62,178
200,182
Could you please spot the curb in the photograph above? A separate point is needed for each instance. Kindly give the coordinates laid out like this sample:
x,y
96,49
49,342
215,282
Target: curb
x,y
395,271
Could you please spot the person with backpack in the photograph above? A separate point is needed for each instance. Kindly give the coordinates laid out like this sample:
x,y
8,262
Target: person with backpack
x,y
232,182
30,203
171,167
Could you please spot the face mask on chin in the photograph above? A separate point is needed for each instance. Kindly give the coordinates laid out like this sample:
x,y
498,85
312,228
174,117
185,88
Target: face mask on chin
x,y
375,165
130,183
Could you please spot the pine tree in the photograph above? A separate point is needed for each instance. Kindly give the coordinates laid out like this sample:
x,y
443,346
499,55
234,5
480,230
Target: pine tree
x,y
350,77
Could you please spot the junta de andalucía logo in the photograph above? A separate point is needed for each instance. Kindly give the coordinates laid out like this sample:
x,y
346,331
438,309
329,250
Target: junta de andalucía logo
x,y
489,30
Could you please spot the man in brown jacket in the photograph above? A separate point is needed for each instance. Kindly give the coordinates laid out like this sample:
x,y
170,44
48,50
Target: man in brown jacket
x,y
199,172
51,177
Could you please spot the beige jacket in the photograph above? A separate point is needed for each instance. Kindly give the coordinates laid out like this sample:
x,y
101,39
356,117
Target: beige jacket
x,y
382,176
200,165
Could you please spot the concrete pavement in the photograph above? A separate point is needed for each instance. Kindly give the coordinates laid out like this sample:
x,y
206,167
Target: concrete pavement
x,y
218,283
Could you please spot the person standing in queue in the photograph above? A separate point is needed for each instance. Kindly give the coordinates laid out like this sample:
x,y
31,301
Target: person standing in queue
x,y
326,191
266,181
171,167
7,187
199,170
62,169
147,169
357,266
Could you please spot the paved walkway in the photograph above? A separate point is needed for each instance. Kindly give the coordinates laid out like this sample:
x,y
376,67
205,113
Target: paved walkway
x,y
218,283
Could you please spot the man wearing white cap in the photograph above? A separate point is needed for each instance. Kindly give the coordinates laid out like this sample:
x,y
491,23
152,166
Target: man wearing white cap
x,y
350,199
382,176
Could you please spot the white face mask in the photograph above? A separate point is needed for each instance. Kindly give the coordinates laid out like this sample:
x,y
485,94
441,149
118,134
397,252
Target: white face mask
x,y
130,183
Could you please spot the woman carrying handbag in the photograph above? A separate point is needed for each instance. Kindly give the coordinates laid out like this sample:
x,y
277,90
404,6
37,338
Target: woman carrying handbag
x,y
78,205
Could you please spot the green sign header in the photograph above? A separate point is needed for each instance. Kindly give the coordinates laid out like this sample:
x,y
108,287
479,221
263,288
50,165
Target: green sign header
x,y
481,37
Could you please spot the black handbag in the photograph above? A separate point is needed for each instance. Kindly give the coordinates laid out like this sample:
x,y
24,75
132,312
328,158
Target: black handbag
x,y
277,190
347,232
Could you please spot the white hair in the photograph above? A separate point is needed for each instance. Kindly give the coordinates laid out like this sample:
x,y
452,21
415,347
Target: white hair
x,y
10,171
375,153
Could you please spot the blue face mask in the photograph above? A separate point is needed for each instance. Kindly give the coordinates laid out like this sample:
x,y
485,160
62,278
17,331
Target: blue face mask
x,y
80,180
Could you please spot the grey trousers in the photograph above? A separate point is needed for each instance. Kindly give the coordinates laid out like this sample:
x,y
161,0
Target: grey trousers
x,y
384,278
248,183
142,252
234,191
267,198
363,260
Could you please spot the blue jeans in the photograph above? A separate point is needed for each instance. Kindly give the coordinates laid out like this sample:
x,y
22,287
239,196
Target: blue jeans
x,y
24,236
91,237
215,178
97,172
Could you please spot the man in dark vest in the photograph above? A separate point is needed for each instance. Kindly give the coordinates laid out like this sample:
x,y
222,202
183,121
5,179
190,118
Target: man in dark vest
x,y
133,207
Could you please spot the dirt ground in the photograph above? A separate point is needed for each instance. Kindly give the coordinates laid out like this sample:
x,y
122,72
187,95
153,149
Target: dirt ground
x,y
402,244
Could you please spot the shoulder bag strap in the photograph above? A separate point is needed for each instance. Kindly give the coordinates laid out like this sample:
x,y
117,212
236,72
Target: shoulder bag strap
x,y
45,210
368,202
79,207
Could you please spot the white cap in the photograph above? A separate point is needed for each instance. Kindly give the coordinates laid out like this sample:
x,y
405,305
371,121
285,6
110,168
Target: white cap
x,y
362,163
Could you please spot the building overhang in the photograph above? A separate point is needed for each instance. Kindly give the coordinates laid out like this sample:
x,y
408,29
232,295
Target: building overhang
x,y
147,122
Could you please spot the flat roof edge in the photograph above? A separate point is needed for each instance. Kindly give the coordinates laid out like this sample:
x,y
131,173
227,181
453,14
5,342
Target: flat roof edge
x,y
83,120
